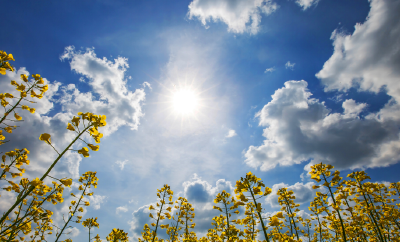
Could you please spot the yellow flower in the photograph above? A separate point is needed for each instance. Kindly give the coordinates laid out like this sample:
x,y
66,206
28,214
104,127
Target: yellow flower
x,y
274,221
93,147
24,77
17,117
10,57
4,103
66,182
36,182
279,215
84,151
97,137
70,127
37,77
75,121
267,191
80,209
21,88
8,95
45,137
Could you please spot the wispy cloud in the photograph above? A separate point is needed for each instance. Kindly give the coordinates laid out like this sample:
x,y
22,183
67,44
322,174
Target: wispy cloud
x,y
146,84
121,209
272,69
121,164
305,4
289,65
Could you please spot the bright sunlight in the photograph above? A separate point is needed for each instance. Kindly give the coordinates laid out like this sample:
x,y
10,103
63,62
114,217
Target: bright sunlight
x,y
185,101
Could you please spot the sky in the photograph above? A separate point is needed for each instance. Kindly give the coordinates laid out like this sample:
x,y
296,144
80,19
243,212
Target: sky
x,y
199,92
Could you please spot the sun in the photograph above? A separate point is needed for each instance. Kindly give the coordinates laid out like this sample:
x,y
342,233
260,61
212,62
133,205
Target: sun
x,y
185,101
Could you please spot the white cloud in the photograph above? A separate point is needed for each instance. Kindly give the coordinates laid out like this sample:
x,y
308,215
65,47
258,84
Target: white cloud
x,y
122,107
300,128
303,193
122,209
121,164
231,133
71,232
146,84
306,3
289,65
369,58
352,109
272,69
96,200
107,79
240,16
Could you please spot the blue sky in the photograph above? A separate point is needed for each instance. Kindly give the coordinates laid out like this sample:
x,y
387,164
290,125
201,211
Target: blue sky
x,y
279,85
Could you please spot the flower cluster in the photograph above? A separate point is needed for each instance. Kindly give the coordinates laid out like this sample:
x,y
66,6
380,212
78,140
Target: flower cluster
x,y
4,64
117,235
162,211
11,103
29,217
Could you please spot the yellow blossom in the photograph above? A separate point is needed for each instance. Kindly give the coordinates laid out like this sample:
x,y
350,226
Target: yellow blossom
x,y
45,137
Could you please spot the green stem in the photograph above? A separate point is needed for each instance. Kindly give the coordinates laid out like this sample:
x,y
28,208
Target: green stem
x,y
41,179
10,110
158,219
259,215
227,221
334,201
79,201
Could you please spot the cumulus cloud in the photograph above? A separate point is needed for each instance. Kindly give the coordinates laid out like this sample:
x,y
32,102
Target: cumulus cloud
x,y
369,58
306,3
108,95
240,16
231,133
303,193
300,128
272,69
107,79
289,65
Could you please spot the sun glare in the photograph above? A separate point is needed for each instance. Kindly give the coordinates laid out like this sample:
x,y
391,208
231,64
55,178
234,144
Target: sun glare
x,y
185,101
